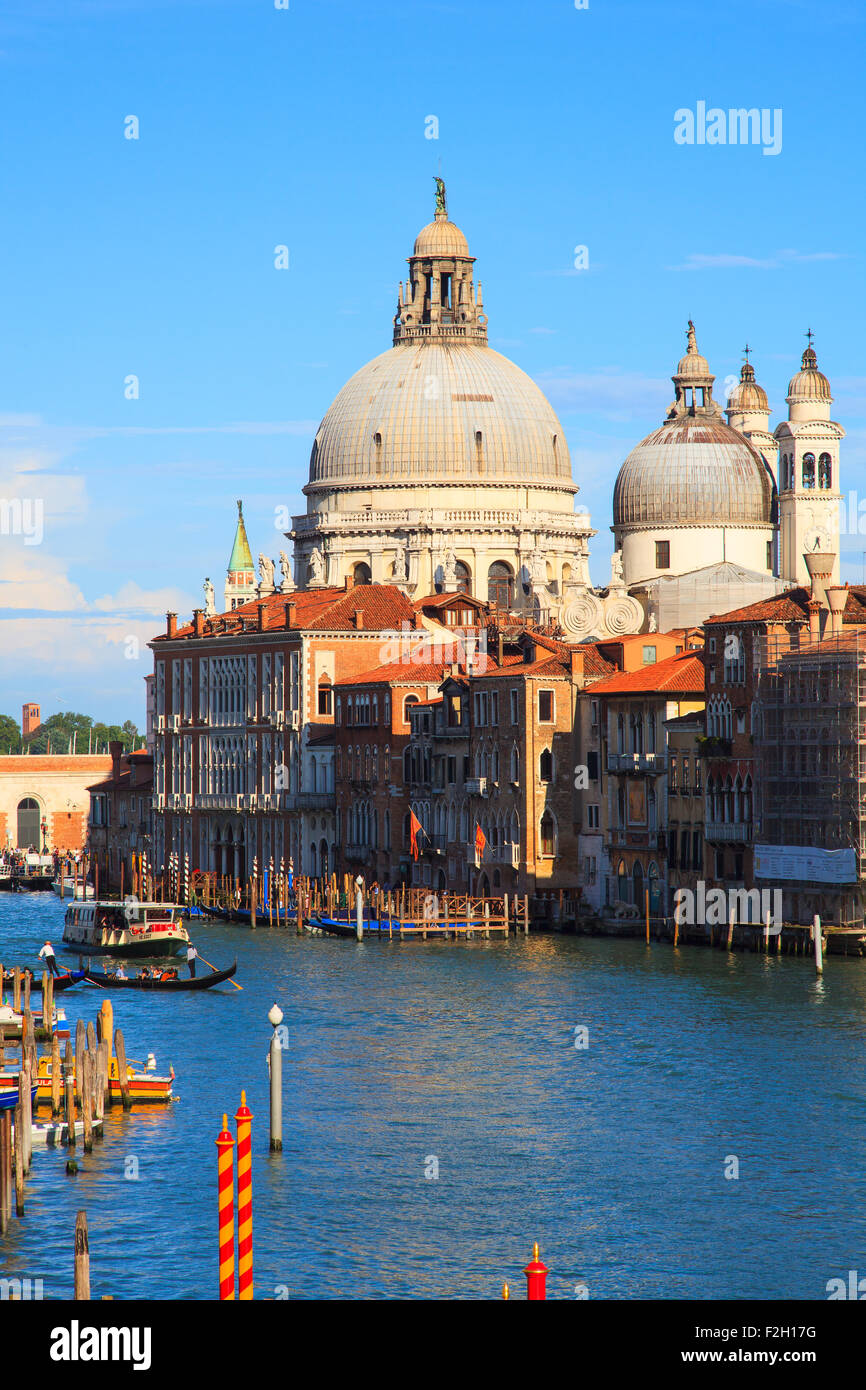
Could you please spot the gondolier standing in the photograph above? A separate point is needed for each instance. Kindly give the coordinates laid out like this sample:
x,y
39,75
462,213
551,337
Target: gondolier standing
x,y
47,954
191,954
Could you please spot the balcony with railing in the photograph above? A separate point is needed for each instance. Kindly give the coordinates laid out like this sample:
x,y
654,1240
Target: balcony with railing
x,y
635,762
728,832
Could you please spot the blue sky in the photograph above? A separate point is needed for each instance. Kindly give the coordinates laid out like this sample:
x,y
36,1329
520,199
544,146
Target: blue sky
x,y
306,127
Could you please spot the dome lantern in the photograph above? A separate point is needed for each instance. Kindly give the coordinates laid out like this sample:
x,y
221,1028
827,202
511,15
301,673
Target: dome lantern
x,y
693,382
439,301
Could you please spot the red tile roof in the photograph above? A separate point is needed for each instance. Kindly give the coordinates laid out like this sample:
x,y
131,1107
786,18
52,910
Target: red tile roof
x,y
315,610
682,674
791,606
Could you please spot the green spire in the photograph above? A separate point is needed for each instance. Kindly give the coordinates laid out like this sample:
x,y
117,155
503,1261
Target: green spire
x,y
241,556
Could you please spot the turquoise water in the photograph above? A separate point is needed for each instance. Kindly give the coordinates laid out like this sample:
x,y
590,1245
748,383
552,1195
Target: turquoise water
x,y
611,1157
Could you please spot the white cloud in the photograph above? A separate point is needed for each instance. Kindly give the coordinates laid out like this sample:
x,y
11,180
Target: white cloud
x,y
730,261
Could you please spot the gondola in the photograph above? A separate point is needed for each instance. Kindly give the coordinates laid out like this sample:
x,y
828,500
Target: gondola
x,y
60,981
198,982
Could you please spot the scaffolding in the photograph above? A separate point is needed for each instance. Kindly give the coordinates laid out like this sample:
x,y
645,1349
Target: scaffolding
x,y
810,755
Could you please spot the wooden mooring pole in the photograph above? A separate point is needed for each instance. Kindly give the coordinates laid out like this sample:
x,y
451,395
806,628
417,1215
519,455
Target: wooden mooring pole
x,y
82,1259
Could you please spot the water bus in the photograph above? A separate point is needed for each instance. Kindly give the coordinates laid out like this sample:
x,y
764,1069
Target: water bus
x,y
127,929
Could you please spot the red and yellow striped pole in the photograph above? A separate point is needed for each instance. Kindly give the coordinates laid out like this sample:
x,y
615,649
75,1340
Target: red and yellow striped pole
x,y
226,1193
244,1119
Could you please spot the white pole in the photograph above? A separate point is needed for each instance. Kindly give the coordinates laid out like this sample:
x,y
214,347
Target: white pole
x,y
819,945
359,914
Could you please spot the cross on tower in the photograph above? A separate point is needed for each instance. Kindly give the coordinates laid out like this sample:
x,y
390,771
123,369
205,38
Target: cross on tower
x,y
810,335
746,351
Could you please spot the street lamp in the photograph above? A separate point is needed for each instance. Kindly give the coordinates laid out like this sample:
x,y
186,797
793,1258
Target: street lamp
x,y
275,1067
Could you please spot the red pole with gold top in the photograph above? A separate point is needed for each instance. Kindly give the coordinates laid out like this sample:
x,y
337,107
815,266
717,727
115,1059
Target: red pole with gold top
x,y
536,1277
244,1118
226,1192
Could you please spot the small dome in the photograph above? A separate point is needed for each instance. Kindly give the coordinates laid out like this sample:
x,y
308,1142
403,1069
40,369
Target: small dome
x,y
747,395
692,471
441,238
809,384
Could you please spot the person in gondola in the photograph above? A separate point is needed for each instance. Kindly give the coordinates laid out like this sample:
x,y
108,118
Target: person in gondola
x,y
191,954
47,954
120,973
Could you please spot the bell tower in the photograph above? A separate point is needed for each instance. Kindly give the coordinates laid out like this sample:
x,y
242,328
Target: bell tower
x,y
241,575
809,485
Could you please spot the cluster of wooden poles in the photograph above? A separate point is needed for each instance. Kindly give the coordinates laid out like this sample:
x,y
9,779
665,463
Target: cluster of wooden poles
x,y
83,1077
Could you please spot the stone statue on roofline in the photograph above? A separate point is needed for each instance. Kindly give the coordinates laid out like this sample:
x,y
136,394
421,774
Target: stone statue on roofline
x,y
286,571
617,578
266,575
317,566
209,605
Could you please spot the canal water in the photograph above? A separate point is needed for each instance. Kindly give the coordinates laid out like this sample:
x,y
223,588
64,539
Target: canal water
x,y
438,1119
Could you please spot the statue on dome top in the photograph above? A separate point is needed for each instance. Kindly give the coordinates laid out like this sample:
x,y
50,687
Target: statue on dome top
x,y
692,340
441,206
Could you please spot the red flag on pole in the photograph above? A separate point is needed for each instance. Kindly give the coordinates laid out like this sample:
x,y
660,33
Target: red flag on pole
x,y
480,841
414,827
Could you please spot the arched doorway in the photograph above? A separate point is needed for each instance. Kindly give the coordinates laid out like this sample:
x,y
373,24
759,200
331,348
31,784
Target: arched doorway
x,y
362,574
28,824
637,877
500,584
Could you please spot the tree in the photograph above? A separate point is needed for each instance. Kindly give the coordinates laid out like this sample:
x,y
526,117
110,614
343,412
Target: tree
x,y
10,734
65,731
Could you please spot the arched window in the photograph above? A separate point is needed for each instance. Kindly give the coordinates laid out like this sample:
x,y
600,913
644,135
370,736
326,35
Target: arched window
x,y
808,470
622,881
545,766
500,584
515,764
548,835
637,879
825,471
409,701
325,695
464,578
620,733
28,824
651,733
362,574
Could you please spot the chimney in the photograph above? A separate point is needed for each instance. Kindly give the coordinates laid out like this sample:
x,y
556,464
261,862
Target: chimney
x,y
170,624
260,610
198,621
576,659
358,615
820,563
350,582
500,648
290,614
814,608
837,597
115,748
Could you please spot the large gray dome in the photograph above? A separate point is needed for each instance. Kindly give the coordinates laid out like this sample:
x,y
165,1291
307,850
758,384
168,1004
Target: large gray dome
x,y
693,470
